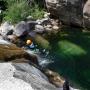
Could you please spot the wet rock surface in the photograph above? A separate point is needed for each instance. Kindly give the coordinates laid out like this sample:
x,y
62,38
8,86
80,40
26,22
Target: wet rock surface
x,y
55,78
10,52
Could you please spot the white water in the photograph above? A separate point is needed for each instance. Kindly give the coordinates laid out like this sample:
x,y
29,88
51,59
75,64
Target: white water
x,y
4,42
43,61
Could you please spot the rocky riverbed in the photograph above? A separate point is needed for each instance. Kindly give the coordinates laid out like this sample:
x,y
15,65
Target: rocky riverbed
x,y
16,71
23,65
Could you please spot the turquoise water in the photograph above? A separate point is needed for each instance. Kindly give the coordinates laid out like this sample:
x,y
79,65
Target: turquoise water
x,y
71,51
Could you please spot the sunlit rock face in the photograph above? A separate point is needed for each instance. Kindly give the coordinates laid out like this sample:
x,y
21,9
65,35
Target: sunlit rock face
x,y
8,82
86,13
33,76
68,11
71,12
22,76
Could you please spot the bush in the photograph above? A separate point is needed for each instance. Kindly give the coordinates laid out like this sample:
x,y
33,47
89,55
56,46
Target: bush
x,y
17,11
37,12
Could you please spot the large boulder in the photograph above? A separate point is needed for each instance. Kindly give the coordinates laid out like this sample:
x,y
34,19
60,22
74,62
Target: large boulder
x,y
39,29
71,12
23,76
23,28
86,14
33,76
6,28
68,11
8,82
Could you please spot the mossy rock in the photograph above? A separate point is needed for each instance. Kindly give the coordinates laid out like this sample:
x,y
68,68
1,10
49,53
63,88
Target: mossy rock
x,y
41,41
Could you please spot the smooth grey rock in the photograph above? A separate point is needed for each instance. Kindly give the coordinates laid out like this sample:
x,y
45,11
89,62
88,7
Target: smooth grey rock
x,y
20,28
70,12
4,42
23,27
8,82
39,29
43,21
22,76
46,15
5,28
55,27
33,76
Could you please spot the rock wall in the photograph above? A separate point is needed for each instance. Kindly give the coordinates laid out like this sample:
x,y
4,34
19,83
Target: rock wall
x,y
22,76
71,12
86,14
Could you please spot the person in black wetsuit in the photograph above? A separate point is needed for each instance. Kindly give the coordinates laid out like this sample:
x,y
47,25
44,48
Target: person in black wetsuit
x,y
66,85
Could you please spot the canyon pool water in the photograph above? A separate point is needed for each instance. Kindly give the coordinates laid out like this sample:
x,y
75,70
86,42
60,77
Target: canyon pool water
x,y
71,52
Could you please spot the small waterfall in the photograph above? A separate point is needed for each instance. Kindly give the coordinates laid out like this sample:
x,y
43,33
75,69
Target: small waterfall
x,y
43,62
43,59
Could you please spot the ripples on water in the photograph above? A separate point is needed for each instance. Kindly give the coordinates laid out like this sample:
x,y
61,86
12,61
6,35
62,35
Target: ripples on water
x,y
43,56
69,56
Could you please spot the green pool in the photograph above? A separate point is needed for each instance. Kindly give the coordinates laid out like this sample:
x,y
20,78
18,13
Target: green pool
x,y
71,51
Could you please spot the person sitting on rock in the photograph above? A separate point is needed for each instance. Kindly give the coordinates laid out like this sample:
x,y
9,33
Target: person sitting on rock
x,y
30,44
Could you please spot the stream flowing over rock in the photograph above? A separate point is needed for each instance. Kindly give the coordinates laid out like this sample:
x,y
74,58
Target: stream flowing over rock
x,y
71,12
10,52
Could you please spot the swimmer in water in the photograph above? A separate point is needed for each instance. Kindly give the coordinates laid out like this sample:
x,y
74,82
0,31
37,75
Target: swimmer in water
x,y
30,44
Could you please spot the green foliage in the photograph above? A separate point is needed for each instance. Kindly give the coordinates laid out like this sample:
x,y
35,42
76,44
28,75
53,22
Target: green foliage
x,y
19,10
37,12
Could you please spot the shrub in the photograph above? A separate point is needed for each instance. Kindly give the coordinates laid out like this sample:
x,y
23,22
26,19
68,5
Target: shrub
x,y
17,11
37,12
